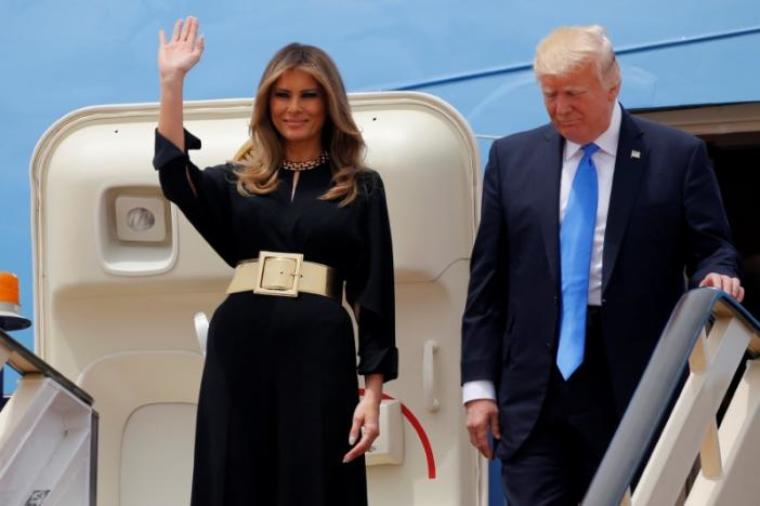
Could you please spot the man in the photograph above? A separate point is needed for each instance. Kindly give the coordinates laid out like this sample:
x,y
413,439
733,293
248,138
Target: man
x,y
588,225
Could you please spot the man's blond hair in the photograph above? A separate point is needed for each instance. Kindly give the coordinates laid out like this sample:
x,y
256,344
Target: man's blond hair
x,y
569,47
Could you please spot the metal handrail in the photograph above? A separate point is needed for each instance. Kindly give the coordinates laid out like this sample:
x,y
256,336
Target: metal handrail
x,y
656,388
26,362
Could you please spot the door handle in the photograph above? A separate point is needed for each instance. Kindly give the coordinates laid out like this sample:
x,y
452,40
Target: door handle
x,y
428,375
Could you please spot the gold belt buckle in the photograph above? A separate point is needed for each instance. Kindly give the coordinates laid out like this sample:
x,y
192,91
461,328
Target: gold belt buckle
x,y
279,273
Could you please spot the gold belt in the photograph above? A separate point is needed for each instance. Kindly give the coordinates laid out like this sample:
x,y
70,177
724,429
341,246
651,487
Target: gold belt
x,y
284,274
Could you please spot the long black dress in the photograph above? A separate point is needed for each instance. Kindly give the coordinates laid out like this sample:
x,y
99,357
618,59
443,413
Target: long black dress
x,y
279,385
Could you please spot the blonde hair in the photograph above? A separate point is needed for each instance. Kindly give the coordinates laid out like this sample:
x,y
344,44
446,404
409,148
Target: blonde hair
x,y
340,136
569,47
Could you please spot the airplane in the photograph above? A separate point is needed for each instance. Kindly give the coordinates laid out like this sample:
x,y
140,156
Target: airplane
x,y
692,66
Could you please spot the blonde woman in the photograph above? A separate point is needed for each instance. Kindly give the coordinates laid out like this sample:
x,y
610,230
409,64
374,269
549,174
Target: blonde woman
x,y
280,421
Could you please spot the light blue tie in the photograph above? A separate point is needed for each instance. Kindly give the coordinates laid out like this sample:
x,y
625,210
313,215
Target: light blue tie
x,y
576,239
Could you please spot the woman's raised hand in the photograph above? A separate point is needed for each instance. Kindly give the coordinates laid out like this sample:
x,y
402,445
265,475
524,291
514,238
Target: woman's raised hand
x,y
175,59
180,53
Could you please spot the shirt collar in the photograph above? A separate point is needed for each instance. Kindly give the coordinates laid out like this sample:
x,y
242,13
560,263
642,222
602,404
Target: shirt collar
x,y
607,142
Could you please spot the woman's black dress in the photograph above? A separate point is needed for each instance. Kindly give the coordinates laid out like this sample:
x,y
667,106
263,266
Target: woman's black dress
x,y
279,385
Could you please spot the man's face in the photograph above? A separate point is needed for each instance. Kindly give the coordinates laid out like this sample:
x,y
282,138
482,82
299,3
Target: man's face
x,y
579,104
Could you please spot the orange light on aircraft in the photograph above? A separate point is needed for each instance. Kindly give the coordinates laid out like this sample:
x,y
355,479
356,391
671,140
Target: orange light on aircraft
x,y
9,288
10,319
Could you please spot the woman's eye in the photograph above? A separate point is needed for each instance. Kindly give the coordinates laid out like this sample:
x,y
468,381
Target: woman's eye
x,y
281,94
310,94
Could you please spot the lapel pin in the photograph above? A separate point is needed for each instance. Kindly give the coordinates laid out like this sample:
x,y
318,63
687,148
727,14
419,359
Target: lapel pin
x,y
636,154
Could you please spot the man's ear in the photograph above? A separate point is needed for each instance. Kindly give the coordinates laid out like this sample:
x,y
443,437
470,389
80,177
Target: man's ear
x,y
614,91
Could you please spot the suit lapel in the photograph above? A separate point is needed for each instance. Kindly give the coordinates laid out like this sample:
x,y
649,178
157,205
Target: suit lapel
x,y
630,165
548,197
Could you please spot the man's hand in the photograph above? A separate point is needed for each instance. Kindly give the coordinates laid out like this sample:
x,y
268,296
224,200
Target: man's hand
x,y
482,416
731,286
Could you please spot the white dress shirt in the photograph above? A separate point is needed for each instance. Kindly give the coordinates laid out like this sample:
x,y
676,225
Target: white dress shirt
x,y
604,161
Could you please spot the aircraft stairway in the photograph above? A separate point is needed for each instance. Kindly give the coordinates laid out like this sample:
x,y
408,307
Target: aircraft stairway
x,y
48,435
708,452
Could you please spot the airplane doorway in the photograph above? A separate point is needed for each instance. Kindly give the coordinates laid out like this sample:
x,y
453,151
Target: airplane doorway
x,y
732,135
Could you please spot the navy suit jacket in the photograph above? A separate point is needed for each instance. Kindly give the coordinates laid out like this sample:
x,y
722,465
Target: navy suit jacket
x,y
665,219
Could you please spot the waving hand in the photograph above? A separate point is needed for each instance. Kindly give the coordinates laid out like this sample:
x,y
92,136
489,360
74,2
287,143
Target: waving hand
x,y
182,51
175,59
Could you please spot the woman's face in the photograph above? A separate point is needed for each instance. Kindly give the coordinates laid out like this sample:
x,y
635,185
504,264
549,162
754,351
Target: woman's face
x,y
297,109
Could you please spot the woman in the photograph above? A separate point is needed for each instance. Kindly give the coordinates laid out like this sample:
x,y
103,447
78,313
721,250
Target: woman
x,y
279,418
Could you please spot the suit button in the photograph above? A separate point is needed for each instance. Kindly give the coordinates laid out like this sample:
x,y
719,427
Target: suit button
x,y
604,301
548,345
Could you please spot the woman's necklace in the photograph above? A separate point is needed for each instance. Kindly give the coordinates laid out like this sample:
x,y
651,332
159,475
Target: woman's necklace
x,y
298,167
307,165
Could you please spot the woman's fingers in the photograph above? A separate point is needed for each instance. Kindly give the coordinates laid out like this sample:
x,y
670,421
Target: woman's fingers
x,y
369,434
184,31
177,30
189,29
353,434
365,422
192,29
183,50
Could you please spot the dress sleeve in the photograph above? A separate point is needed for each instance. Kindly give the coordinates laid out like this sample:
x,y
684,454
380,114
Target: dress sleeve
x,y
204,196
370,289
